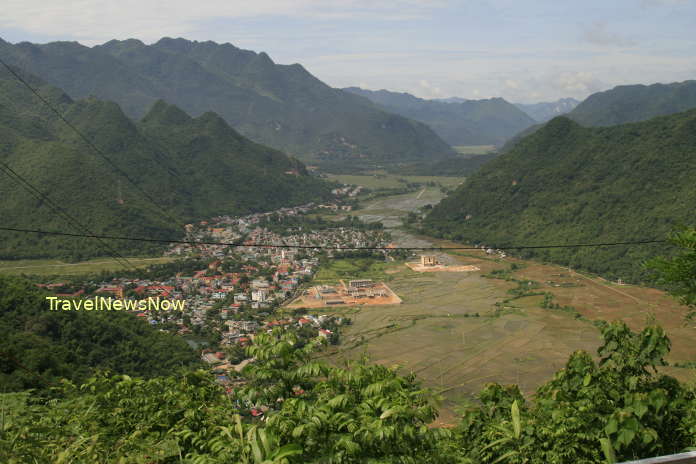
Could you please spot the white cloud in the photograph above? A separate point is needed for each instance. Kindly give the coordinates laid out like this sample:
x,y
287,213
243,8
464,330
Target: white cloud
x,y
428,90
96,21
512,84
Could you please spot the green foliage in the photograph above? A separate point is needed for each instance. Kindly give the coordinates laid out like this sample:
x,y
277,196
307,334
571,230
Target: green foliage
x,y
281,106
357,414
678,274
617,409
632,103
567,184
362,411
452,167
40,345
195,168
626,104
470,122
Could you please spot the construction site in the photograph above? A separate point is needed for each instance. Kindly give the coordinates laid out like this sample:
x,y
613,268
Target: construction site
x,y
430,263
354,293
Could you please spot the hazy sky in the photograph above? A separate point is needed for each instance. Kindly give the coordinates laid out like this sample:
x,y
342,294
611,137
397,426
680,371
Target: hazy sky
x,y
522,50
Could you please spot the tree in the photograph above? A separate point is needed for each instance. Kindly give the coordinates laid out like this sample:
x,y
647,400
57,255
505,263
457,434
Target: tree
x,y
678,274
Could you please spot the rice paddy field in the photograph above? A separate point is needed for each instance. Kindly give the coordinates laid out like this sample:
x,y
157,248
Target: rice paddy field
x,y
459,331
50,267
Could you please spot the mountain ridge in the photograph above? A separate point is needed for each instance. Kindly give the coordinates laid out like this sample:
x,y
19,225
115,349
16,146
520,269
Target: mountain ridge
x,y
467,122
567,183
544,111
282,106
196,168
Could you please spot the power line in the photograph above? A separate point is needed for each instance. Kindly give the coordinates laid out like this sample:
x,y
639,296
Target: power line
x,y
320,247
12,174
11,358
159,158
88,142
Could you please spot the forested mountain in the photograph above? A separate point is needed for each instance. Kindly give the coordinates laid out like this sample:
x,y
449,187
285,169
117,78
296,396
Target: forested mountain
x,y
282,106
50,345
632,103
625,104
566,184
193,168
542,112
465,122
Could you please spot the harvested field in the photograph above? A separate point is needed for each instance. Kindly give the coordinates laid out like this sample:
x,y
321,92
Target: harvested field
x,y
450,333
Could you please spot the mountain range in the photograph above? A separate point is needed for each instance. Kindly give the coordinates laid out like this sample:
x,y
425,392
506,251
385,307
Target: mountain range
x,y
459,122
633,103
625,104
193,168
568,184
542,112
282,106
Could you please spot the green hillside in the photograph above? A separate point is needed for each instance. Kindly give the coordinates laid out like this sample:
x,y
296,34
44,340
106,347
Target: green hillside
x,y
466,122
625,104
633,103
567,184
69,344
194,168
282,106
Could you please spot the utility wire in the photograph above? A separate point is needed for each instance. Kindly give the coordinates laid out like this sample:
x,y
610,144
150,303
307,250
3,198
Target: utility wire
x,y
12,174
88,142
12,359
269,245
158,158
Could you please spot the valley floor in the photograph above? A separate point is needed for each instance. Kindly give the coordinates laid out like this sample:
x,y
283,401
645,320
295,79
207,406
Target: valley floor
x,y
450,333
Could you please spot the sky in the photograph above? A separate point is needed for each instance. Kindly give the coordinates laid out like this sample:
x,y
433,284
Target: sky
x,y
522,50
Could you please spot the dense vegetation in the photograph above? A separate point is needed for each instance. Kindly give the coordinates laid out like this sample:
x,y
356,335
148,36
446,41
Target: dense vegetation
x,y
194,168
459,166
542,112
41,346
626,104
613,408
469,122
633,103
566,184
282,106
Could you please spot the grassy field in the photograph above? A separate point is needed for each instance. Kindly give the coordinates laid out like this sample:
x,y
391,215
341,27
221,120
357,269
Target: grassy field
x,y
45,267
451,334
354,268
474,149
381,180
448,333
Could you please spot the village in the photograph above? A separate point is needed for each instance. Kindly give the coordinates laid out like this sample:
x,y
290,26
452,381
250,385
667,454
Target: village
x,y
239,288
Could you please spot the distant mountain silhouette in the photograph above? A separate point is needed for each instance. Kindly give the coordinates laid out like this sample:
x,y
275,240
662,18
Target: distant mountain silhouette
x,y
457,121
282,106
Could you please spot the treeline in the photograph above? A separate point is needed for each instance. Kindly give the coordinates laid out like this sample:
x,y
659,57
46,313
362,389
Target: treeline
x,y
41,346
616,409
171,169
454,167
566,184
294,408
